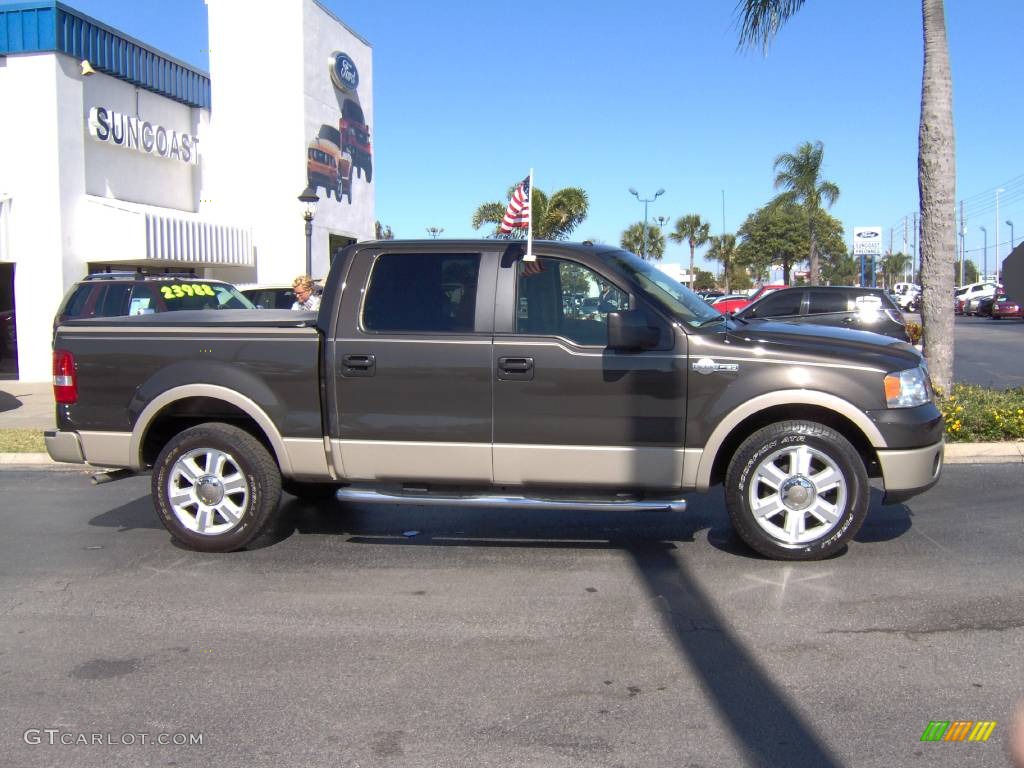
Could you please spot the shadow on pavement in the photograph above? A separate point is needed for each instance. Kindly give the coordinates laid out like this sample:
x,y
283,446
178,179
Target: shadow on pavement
x,y
884,523
8,402
129,517
765,724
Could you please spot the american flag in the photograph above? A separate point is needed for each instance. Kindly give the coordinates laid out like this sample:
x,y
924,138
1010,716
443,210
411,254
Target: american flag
x,y
517,215
531,268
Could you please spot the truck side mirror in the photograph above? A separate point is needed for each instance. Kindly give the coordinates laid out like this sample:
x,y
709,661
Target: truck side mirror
x,y
628,331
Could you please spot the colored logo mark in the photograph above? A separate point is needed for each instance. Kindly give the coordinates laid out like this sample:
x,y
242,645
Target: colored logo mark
x,y
958,730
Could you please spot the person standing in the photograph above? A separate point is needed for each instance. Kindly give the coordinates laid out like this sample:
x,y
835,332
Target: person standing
x,y
306,298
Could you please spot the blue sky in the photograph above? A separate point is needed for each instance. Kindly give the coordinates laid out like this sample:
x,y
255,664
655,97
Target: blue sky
x,y
468,96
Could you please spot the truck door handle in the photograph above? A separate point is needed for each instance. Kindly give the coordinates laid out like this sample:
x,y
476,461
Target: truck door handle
x,y
515,364
358,365
515,368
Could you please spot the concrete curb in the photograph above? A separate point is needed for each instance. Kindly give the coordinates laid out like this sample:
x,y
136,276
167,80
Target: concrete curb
x,y
956,453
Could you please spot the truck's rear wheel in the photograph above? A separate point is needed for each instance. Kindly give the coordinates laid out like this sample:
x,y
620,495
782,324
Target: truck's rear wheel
x,y
796,490
216,488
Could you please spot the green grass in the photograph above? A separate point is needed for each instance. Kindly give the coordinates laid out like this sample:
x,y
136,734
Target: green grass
x,y
22,441
978,415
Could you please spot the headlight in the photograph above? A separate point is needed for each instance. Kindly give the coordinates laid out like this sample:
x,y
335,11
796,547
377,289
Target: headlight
x,y
907,389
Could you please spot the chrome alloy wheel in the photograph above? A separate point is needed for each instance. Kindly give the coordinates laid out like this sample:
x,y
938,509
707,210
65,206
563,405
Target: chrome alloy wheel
x,y
797,495
208,492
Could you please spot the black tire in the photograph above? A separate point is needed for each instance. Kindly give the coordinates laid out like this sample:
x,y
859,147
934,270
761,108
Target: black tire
x,y
251,493
309,491
771,455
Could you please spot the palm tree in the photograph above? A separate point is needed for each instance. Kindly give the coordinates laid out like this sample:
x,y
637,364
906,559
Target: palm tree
x,y
723,250
633,240
799,174
894,266
554,218
760,20
693,230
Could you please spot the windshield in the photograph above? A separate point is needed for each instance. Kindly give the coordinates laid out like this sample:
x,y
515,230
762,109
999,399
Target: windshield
x,y
672,295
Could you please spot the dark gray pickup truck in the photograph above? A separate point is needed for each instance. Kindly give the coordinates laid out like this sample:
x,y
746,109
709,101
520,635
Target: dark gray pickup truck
x,y
458,373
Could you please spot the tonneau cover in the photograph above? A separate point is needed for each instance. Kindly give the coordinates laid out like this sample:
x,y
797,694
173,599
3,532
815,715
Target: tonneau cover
x,y
233,318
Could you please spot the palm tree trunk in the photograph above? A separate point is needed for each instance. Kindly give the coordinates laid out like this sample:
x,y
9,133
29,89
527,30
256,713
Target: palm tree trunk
x,y
813,267
692,279
936,166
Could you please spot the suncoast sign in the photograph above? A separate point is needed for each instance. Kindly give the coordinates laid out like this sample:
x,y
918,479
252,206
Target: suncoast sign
x,y
130,132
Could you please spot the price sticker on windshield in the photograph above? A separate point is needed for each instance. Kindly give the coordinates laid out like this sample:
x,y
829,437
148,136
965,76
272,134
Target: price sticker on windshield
x,y
181,290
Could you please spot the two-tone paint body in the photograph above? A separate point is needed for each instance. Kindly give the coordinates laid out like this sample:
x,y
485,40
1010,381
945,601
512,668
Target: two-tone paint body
x,y
337,402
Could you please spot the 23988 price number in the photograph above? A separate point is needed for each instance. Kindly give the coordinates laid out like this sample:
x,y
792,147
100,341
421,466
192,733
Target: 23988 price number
x,y
178,291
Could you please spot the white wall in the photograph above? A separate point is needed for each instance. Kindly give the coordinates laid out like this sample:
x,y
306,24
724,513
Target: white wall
x,y
323,35
33,147
125,174
260,125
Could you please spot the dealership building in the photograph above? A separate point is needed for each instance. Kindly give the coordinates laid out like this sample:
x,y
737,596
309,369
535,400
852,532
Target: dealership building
x,y
114,155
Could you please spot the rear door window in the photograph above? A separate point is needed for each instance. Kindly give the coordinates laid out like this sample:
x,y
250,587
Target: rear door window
x,y
76,304
821,302
777,304
114,300
422,293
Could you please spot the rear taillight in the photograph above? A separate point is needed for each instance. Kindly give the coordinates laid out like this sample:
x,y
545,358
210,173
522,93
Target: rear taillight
x,y
65,382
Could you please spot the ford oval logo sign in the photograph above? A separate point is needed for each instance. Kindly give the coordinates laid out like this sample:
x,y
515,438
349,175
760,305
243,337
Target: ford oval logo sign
x,y
344,74
868,234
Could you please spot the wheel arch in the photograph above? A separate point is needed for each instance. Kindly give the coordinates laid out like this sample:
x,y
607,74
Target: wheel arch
x,y
189,404
841,415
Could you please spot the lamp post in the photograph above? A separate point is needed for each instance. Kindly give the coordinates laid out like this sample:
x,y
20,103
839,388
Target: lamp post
x,y
309,199
1010,225
1000,189
963,252
434,231
645,201
984,274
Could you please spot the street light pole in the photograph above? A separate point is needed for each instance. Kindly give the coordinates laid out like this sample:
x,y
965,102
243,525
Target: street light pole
x,y
984,274
309,199
645,201
434,231
998,190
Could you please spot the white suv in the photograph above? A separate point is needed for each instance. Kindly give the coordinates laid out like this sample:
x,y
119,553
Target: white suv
x,y
965,293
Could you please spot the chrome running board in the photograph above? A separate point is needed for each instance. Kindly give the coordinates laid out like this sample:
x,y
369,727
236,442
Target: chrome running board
x,y
504,501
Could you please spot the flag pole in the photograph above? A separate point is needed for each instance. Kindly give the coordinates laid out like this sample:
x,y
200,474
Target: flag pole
x,y
529,225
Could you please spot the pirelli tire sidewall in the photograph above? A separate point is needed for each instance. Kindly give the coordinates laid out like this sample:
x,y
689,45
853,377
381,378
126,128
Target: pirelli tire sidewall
x,y
260,518
761,444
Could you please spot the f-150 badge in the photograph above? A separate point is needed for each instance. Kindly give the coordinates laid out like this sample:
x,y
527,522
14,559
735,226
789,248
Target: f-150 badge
x,y
706,366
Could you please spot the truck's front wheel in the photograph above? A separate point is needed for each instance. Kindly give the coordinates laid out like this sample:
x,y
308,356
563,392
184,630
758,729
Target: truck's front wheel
x,y
217,489
797,490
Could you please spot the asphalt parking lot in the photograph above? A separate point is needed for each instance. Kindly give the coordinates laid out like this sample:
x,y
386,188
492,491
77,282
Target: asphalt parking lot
x,y
989,352
415,637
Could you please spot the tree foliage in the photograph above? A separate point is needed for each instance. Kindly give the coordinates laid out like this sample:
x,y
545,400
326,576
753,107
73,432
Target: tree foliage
x,y
554,218
799,175
779,233
691,229
633,240
723,250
